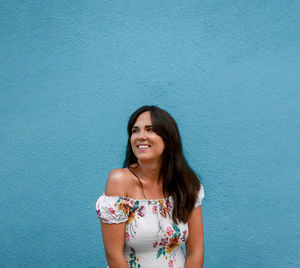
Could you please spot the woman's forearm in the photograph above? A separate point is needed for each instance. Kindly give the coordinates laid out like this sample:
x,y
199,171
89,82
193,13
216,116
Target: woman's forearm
x,y
194,261
117,262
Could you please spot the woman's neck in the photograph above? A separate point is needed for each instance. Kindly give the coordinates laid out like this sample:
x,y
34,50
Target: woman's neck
x,y
149,171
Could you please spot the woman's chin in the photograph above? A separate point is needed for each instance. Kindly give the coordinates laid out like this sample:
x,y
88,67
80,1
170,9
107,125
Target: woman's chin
x,y
145,158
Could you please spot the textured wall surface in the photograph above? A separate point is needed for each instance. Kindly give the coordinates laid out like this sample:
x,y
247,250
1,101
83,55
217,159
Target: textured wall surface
x,y
73,71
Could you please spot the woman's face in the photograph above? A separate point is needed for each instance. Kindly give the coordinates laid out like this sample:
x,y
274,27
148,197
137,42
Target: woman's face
x,y
145,143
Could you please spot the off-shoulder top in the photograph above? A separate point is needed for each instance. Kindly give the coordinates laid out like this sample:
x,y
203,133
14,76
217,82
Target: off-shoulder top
x,y
152,240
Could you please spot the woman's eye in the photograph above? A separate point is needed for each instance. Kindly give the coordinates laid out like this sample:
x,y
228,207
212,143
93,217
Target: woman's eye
x,y
150,129
134,130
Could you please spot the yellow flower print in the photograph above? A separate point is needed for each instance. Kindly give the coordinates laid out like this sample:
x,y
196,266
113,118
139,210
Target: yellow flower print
x,y
131,216
124,207
173,243
162,209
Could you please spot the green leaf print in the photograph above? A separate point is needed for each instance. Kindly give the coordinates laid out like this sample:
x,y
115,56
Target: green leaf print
x,y
177,230
161,251
176,234
133,262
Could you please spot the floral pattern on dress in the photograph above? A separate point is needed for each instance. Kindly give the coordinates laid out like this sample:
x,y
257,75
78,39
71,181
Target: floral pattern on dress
x,y
170,264
169,243
117,215
164,208
133,210
150,223
128,207
133,262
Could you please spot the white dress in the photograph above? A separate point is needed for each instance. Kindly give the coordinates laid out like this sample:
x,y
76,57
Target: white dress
x,y
152,240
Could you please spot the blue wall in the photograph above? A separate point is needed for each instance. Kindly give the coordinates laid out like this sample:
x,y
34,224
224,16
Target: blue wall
x,y
73,71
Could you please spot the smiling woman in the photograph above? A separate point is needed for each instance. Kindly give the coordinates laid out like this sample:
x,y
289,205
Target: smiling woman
x,y
145,143
151,207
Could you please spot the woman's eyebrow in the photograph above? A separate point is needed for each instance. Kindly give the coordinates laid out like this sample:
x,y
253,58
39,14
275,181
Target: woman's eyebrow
x,y
147,126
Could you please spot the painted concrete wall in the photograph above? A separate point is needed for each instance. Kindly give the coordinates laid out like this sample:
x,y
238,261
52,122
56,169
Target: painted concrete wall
x,y
73,71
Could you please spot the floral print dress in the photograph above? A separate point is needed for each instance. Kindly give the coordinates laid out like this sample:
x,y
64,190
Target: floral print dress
x,y
151,237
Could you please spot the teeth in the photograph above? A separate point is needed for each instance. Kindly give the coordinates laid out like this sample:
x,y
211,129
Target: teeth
x,y
143,146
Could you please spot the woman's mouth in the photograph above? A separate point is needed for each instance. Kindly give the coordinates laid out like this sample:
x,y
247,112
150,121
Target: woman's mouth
x,y
143,147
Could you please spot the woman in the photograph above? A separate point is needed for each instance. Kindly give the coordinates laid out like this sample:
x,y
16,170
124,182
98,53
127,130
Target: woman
x,y
151,207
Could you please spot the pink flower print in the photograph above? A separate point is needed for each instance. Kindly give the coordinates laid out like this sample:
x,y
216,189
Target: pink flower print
x,y
141,211
127,237
170,263
111,211
169,205
155,244
184,236
154,210
99,214
170,231
164,241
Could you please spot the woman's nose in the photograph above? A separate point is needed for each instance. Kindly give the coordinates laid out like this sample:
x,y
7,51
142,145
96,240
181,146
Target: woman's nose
x,y
142,134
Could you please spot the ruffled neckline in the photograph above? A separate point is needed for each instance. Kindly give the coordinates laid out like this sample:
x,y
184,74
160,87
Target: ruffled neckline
x,y
140,200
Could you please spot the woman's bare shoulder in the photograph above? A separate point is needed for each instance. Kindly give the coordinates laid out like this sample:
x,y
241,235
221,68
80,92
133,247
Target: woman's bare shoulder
x,y
117,182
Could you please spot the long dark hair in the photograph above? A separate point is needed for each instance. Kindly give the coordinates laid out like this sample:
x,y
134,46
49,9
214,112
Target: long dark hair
x,y
179,180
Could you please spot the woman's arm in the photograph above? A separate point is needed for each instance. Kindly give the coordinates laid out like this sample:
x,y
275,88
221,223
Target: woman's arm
x,y
113,239
113,234
195,243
